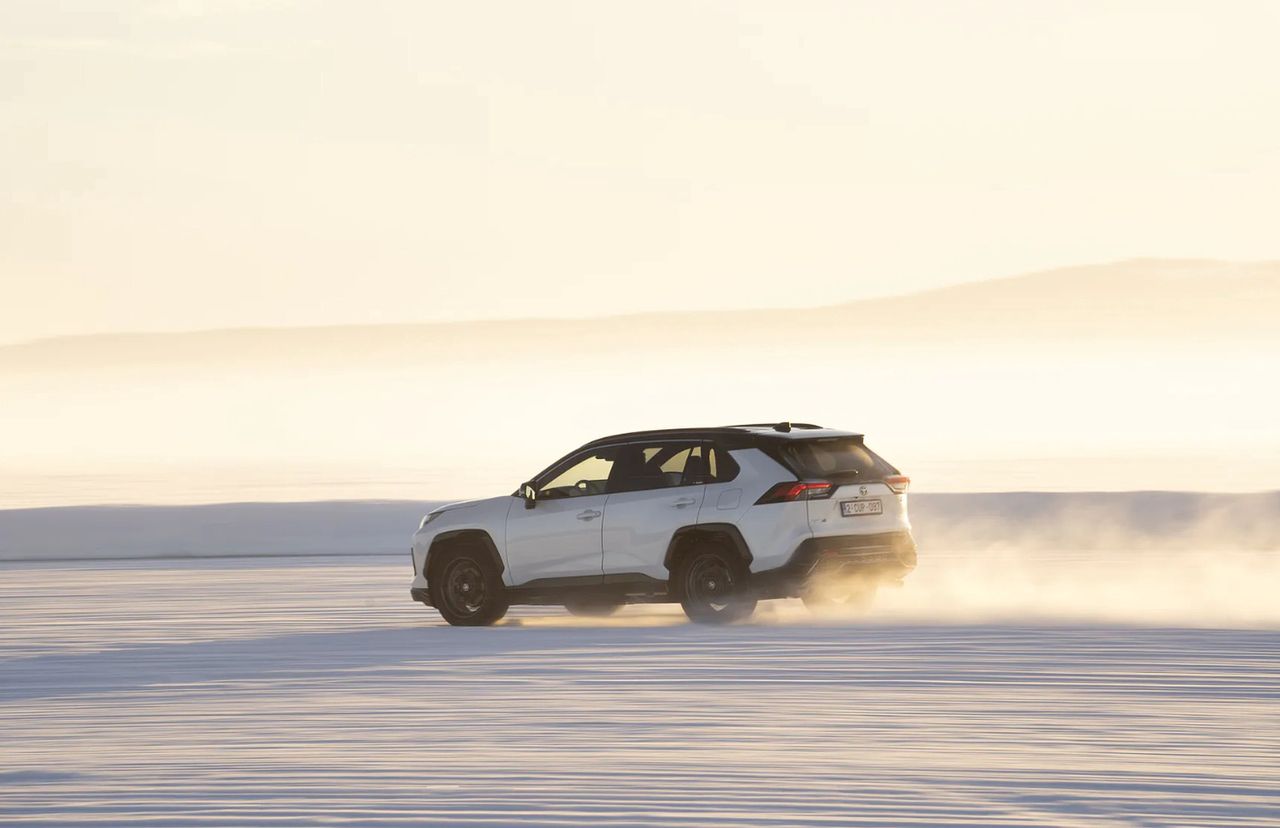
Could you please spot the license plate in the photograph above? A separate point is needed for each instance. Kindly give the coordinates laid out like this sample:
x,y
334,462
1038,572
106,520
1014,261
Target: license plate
x,y
861,506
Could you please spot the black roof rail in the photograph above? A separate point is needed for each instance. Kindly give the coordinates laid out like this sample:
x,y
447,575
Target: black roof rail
x,y
729,436
668,433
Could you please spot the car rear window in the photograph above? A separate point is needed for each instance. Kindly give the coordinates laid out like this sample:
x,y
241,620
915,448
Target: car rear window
x,y
834,458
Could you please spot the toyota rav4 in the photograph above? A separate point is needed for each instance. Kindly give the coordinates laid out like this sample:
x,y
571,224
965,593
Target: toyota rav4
x,y
713,518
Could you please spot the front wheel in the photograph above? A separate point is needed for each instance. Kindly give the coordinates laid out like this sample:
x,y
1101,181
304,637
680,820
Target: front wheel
x,y
714,587
467,591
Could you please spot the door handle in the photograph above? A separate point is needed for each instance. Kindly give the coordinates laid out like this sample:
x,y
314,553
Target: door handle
x,y
683,502
589,514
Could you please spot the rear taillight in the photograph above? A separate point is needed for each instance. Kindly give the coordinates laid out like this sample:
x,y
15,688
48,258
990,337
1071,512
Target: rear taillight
x,y
898,482
797,490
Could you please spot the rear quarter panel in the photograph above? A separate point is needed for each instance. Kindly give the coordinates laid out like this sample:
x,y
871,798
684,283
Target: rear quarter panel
x,y
772,531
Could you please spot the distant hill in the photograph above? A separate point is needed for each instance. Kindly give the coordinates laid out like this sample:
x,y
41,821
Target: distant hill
x,y
1183,301
1126,300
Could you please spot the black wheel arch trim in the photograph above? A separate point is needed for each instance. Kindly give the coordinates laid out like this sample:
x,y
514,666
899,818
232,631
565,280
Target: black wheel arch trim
x,y
684,534
442,542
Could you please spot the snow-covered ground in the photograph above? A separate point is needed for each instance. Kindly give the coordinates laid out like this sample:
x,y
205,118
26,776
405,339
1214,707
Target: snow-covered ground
x,y
305,691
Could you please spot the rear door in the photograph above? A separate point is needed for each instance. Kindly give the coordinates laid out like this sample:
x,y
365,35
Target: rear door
x,y
655,488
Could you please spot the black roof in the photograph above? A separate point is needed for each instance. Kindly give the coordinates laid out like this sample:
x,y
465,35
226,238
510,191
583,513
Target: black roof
x,y
733,435
726,437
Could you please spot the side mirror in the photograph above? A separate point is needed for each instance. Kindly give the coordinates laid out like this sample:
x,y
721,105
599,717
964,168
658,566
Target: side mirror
x,y
530,494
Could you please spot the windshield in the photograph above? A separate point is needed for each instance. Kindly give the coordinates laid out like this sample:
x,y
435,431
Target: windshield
x,y
834,458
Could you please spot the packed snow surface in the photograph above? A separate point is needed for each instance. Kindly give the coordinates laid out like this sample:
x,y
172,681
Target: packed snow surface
x,y
299,692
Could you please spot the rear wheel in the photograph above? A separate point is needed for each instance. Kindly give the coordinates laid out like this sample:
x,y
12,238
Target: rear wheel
x,y
593,607
467,590
714,586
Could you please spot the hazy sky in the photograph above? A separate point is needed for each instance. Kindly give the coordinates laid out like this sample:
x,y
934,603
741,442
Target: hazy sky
x,y
174,165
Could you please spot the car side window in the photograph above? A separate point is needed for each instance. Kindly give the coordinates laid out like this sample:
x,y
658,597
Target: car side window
x,y
641,467
721,468
698,467
673,467
580,476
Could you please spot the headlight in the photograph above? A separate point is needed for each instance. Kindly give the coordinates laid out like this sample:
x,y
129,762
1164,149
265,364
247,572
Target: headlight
x,y
427,520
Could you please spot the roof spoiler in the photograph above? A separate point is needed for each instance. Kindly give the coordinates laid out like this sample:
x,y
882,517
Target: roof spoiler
x,y
783,427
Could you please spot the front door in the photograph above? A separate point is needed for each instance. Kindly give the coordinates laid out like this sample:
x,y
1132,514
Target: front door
x,y
561,536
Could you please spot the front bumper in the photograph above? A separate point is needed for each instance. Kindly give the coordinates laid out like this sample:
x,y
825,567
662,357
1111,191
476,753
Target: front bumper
x,y
421,594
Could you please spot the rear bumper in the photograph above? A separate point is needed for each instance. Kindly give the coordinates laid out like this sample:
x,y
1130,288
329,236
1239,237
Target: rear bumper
x,y
891,549
885,556
421,594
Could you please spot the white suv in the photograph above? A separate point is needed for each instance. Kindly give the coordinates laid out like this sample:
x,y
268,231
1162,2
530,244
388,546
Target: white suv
x,y
715,518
